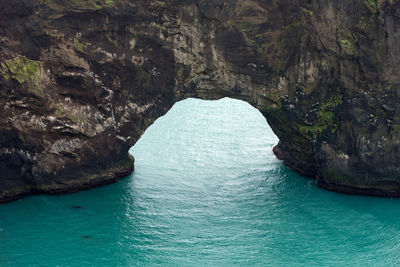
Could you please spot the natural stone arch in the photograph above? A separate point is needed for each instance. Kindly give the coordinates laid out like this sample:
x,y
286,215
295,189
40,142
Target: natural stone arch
x,y
81,82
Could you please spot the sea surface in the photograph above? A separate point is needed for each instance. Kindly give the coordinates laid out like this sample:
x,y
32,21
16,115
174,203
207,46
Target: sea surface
x,y
207,191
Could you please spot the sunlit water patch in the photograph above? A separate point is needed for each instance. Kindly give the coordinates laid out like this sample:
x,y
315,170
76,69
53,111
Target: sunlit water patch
x,y
207,191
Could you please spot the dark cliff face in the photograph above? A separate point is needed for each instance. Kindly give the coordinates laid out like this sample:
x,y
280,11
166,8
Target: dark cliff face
x,y
80,81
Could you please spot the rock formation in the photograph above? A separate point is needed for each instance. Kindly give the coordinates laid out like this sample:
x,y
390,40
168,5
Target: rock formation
x,y
80,81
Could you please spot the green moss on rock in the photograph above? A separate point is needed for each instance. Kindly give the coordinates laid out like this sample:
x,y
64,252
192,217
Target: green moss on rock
x,y
23,70
81,47
347,44
325,119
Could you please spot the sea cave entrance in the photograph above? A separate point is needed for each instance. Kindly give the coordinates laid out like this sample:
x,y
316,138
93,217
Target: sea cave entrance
x,y
202,140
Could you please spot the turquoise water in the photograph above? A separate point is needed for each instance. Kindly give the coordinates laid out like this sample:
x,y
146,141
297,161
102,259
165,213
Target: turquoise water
x,y
207,191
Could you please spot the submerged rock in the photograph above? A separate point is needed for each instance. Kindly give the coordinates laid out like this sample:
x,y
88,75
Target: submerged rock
x,y
81,81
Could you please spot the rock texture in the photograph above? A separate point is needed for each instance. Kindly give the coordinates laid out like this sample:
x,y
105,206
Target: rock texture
x,y
80,81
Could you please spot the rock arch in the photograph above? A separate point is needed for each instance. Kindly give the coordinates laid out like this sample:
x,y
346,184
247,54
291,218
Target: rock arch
x,y
80,83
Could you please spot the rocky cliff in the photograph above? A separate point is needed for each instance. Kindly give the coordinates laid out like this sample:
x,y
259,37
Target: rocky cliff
x,y
80,81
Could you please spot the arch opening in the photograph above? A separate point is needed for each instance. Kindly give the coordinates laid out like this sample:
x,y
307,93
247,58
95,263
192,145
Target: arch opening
x,y
201,140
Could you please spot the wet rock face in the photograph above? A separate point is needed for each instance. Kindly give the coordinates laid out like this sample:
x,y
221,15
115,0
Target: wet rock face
x,y
81,80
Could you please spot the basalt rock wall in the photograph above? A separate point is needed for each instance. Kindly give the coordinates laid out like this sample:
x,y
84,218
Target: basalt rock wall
x,y
80,81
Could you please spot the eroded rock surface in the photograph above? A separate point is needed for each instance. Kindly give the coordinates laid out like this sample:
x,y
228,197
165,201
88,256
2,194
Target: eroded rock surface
x,y
80,81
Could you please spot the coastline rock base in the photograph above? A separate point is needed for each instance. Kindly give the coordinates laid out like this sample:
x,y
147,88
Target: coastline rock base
x,y
284,155
114,174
